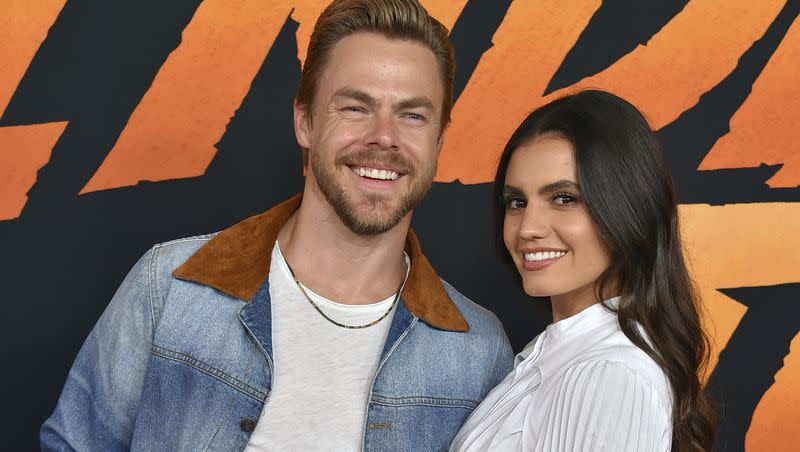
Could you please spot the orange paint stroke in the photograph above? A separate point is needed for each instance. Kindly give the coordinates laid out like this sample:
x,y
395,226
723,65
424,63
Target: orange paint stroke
x,y
528,47
774,425
172,132
738,245
690,55
445,11
23,150
23,27
762,130
307,12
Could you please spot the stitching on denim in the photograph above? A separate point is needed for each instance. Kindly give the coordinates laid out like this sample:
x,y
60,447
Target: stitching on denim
x,y
194,238
498,355
414,320
213,437
424,400
379,425
151,285
388,354
258,343
210,371
157,299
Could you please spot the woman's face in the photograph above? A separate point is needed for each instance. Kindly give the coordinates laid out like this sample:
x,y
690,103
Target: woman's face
x,y
547,227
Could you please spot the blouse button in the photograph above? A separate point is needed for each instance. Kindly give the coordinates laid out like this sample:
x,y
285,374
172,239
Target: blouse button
x,y
247,424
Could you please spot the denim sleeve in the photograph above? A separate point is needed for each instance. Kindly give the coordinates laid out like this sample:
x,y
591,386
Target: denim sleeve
x,y
505,359
97,407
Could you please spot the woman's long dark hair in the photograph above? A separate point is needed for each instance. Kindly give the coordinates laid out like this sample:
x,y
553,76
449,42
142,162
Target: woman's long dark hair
x,y
628,190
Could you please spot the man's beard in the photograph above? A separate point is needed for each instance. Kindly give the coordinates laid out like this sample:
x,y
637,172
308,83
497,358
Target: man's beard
x,y
378,220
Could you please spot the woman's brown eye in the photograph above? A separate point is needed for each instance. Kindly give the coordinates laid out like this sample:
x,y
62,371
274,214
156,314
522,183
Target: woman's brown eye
x,y
564,199
514,203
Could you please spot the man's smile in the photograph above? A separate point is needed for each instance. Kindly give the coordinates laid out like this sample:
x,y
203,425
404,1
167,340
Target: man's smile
x,y
375,173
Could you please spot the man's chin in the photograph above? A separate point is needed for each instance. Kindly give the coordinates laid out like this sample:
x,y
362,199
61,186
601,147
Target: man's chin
x,y
371,220
368,212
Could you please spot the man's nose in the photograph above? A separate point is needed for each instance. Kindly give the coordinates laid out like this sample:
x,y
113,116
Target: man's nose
x,y
383,132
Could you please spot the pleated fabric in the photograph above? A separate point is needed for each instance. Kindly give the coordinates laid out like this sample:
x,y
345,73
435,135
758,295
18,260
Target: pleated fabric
x,y
599,406
581,385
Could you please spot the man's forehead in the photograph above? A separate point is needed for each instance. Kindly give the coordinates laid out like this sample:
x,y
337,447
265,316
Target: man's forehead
x,y
361,44
370,56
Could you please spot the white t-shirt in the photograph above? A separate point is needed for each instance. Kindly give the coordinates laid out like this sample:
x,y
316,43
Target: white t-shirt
x,y
581,385
322,372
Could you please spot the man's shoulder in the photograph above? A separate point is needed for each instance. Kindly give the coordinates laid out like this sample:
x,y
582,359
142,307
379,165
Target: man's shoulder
x,y
164,258
173,253
480,319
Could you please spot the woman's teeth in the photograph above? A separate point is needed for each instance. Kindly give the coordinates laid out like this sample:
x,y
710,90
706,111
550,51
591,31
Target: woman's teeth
x,y
373,173
542,255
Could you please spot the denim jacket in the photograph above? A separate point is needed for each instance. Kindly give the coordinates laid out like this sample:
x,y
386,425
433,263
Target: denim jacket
x,y
182,357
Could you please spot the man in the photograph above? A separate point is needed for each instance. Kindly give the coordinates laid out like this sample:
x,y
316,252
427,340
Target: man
x,y
318,324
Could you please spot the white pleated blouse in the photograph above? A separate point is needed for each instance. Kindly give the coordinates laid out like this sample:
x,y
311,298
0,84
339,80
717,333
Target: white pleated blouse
x,y
581,385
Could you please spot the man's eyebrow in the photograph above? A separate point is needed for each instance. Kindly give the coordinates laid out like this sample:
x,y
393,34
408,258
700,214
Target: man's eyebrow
x,y
355,94
415,102
559,185
362,96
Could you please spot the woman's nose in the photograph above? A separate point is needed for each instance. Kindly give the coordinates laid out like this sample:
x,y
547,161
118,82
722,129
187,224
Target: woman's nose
x,y
535,223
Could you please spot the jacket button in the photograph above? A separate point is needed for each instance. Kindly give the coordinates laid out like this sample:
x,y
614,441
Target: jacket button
x,y
247,424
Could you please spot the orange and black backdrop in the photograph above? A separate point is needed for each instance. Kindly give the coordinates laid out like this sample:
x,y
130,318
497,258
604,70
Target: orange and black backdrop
x,y
128,123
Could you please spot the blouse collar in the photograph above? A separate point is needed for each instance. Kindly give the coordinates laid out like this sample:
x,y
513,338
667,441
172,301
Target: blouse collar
x,y
588,318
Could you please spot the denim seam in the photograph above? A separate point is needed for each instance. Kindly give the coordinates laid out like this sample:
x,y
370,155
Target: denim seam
x,y
268,357
423,400
497,364
157,299
152,285
210,371
196,238
372,394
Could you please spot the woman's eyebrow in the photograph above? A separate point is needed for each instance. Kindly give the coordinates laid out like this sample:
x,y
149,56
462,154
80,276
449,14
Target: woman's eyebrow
x,y
559,185
510,190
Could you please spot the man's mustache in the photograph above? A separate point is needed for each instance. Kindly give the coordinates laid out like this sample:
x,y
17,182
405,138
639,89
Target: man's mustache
x,y
373,157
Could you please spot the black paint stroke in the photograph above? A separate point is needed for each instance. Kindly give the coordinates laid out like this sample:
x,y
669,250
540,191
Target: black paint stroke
x,y
615,29
754,354
688,139
60,270
471,37
92,70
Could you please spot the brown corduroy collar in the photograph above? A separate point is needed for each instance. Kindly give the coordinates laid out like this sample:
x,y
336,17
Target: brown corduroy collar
x,y
236,261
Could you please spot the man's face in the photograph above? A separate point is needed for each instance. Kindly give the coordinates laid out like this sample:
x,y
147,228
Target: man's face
x,y
374,130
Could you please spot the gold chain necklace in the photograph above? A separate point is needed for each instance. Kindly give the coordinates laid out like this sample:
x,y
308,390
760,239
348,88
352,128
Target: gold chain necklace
x,y
342,325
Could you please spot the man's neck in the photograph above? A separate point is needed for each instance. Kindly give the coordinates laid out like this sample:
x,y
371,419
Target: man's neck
x,y
338,264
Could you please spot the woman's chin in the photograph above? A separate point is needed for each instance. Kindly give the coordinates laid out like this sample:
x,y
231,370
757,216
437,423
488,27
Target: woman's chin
x,y
535,291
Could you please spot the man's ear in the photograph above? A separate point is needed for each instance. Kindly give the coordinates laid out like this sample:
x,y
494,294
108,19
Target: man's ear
x,y
302,125
439,143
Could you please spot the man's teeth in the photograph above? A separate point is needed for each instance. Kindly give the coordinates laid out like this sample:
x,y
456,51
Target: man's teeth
x,y
542,255
373,173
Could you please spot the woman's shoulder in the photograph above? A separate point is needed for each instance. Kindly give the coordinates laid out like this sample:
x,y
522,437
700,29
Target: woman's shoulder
x,y
603,404
619,368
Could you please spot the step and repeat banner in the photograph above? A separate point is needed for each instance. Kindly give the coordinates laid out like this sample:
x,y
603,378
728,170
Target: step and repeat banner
x,y
129,123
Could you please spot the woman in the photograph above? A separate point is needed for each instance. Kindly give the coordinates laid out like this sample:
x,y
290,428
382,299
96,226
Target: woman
x,y
587,212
